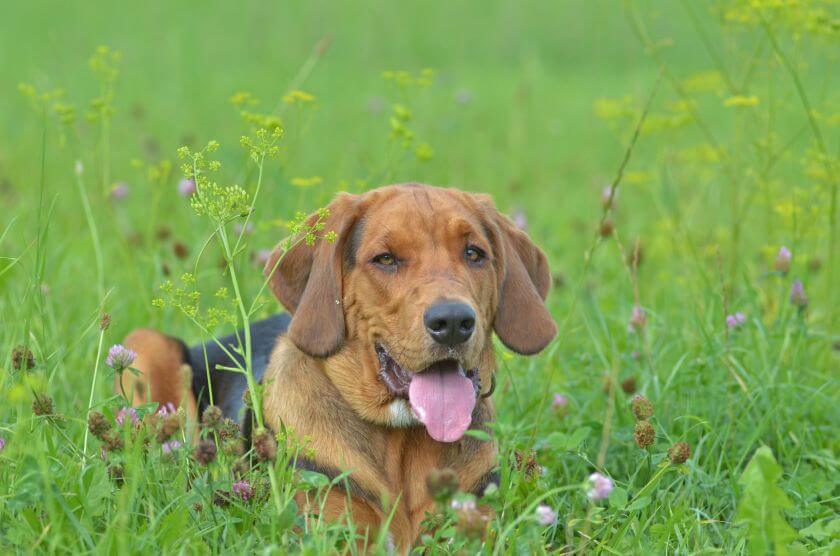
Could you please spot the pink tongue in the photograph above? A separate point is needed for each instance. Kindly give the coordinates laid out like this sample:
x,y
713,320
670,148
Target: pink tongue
x,y
443,400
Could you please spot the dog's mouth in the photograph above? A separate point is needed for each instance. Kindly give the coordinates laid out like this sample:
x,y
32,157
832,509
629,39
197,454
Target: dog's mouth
x,y
442,396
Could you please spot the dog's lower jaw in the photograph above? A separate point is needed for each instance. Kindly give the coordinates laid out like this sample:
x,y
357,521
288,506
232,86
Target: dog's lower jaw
x,y
401,414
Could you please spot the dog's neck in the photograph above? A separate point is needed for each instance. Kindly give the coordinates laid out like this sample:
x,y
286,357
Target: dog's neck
x,y
354,410
342,417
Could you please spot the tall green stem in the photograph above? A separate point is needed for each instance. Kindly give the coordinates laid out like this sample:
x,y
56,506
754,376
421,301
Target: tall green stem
x,y
93,387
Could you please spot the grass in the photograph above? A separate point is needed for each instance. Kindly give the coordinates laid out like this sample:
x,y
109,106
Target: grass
x,y
535,103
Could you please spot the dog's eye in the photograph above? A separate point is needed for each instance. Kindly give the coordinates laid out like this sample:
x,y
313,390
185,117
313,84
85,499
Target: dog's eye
x,y
385,260
474,255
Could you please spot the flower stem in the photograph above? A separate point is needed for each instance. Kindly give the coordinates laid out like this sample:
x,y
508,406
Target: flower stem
x,y
93,388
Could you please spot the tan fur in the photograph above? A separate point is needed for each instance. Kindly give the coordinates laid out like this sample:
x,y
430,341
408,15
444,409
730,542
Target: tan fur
x,y
390,463
163,378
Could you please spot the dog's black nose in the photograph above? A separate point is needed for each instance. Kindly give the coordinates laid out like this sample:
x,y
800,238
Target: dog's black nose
x,y
450,322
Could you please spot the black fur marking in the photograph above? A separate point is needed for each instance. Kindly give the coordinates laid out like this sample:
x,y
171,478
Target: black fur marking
x,y
228,387
492,477
248,426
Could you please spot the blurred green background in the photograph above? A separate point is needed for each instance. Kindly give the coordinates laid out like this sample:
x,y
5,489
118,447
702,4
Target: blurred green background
x,y
533,102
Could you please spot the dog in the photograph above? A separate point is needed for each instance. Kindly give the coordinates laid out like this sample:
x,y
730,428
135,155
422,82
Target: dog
x,y
386,356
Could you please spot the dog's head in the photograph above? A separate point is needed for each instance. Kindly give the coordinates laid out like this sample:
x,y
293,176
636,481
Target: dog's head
x,y
415,283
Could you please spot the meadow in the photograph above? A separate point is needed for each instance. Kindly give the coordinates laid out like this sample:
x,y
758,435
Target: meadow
x,y
677,162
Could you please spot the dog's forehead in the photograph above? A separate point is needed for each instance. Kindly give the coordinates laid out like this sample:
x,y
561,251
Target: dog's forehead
x,y
416,207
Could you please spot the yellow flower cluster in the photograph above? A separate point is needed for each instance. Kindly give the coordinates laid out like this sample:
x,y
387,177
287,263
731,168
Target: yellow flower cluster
x,y
298,97
304,183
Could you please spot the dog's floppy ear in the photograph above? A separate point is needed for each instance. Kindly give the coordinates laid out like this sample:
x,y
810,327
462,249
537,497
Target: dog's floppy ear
x,y
522,321
307,280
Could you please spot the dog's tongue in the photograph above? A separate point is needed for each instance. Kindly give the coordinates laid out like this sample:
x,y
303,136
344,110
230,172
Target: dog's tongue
x,y
443,400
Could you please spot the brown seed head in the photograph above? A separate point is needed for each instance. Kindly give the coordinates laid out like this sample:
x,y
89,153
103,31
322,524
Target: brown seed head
x,y
265,446
229,429
607,227
205,452
527,464
212,417
113,442
679,453
642,408
42,405
22,358
181,251
643,434
167,426
104,322
98,425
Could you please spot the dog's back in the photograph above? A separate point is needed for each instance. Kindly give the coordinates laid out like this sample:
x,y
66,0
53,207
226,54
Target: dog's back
x,y
164,361
209,360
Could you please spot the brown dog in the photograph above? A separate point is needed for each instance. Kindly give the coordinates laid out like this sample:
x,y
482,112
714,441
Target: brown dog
x,y
388,358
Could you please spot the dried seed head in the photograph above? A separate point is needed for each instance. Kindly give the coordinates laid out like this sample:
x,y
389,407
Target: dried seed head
x,y
221,498
212,417
636,256
98,425
679,453
113,442
628,385
240,468
181,251
117,473
42,406
442,483
606,228
527,464
638,318
229,429
471,522
642,408
167,426
265,446
643,434
22,358
105,321
163,233
233,447
205,452
783,258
